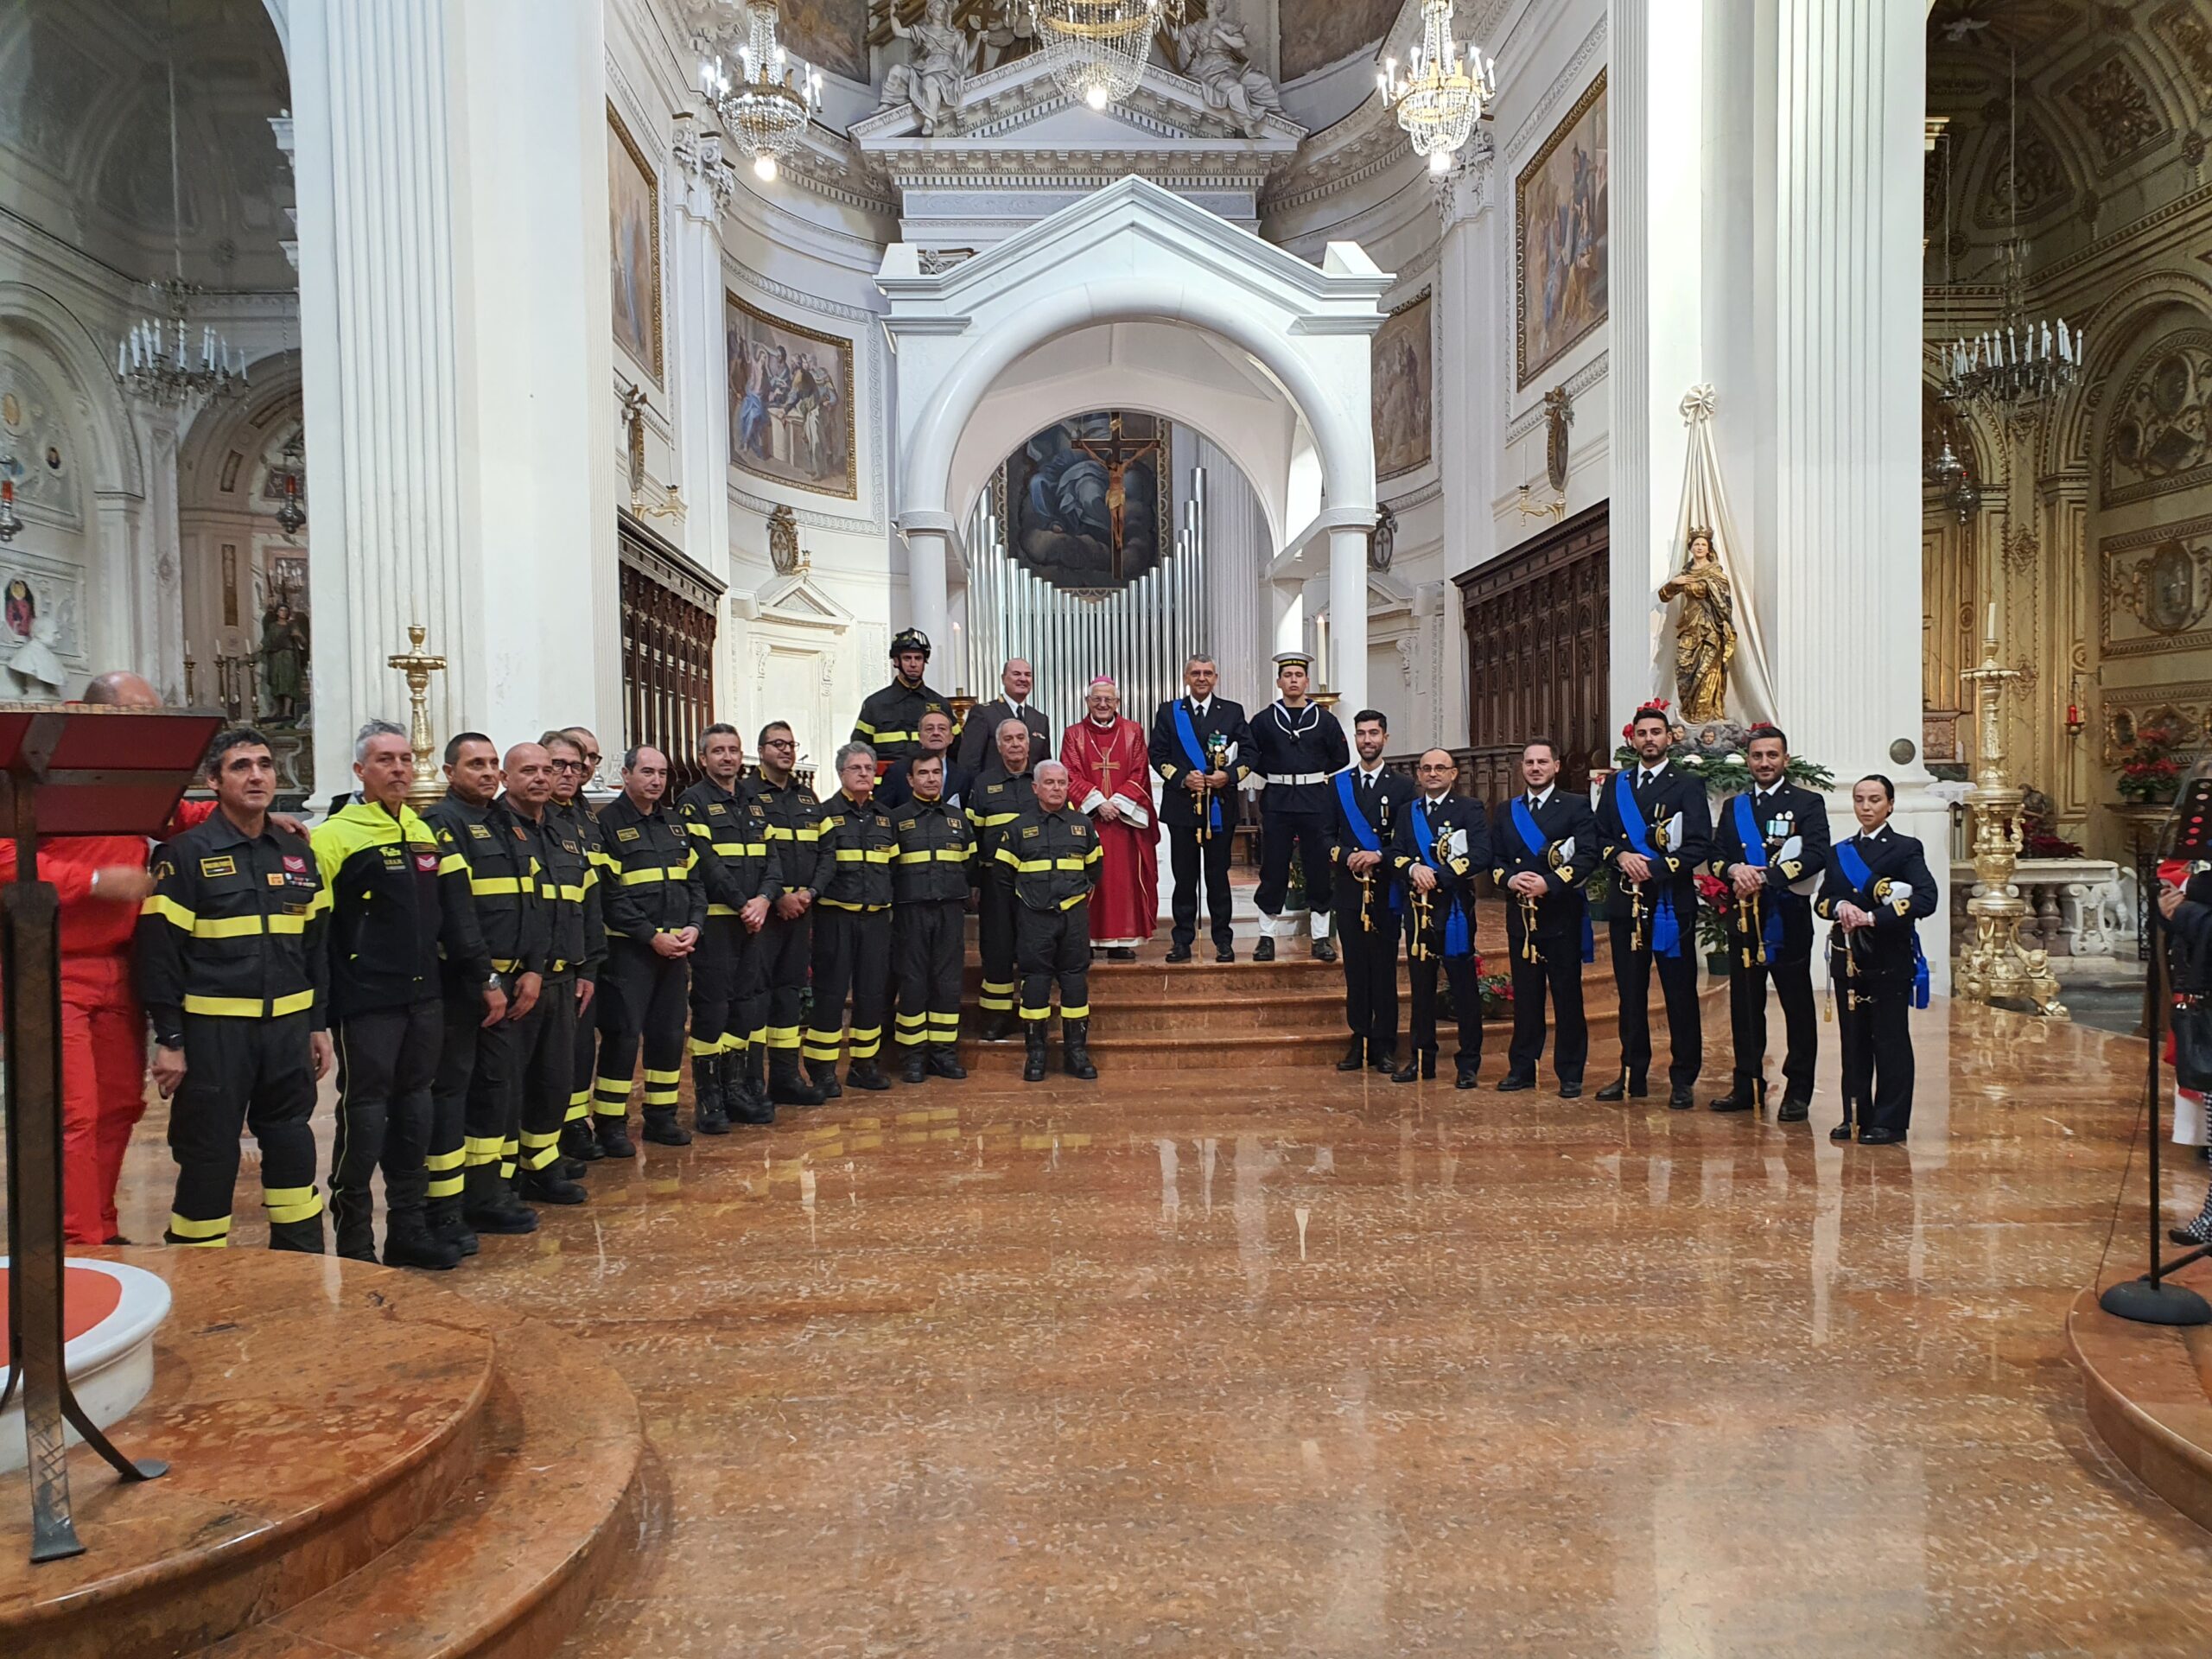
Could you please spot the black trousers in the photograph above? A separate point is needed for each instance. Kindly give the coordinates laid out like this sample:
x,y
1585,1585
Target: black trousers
x,y
1793,984
995,909
544,1054
1277,830
1560,976
1873,1014
720,968
1371,959
783,953
644,993
852,957
928,935
1678,984
1189,857
386,1060
1054,946
256,1074
585,1051
1463,977
471,1097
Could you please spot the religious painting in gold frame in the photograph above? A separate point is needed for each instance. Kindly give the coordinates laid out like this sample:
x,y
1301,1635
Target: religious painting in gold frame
x,y
1400,389
1559,248
830,34
633,215
790,402
1087,502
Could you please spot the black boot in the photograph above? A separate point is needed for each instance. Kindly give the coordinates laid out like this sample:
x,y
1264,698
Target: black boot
x,y
550,1185
864,1074
786,1086
824,1074
577,1142
354,1234
444,1219
914,1068
1745,1095
1032,1036
709,1115
489,1207
408,1243
1627,1086
662,1129
742,1090
998,1026
613,1135
1075,1049
944,1062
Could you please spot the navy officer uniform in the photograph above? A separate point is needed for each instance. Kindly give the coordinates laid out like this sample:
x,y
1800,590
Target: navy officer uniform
x,y
1549,937
1770,936
1212,717
1877,974
1659,812
1365,805
1449,833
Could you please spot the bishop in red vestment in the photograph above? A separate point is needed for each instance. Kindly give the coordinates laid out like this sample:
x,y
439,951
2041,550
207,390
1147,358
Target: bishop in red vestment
x,y
1110,781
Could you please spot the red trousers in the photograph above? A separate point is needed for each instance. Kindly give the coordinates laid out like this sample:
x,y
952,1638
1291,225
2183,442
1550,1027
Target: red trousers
x,y
103,1089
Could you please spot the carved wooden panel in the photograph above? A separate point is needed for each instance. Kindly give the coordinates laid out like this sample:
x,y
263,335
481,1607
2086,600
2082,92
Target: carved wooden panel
x,y
1538,631
668,653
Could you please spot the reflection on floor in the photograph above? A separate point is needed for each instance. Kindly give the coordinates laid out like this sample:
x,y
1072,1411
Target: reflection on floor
x,y
1281,1361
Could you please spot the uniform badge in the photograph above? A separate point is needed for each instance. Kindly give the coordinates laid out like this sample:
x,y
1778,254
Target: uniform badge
x,y
625,834
809,797
713,808
567,846
296,864
1029,830
482,831
224,865
521,834
426,863
276,878
907,823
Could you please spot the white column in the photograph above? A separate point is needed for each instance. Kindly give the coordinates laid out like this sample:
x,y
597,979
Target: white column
x,y
1348,616
698,367
457,361
1238,552
929,555
1469,411
156,580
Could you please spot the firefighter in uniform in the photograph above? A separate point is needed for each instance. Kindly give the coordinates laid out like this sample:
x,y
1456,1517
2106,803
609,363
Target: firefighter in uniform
x,y
1003,794
655,908
729,830
890,722
396,907
929,892
799,863
475,1129
1296,746
1053,853
545,1037
852,928
575,754
231,966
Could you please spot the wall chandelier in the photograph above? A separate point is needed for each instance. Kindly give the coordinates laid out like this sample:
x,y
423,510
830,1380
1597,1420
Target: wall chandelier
x,y
1441,95
1096,49
290,479
765,106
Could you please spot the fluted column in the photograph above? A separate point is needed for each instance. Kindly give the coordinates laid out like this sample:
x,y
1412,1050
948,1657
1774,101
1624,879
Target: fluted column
x,y
1238,550
698,367
1348,615
930,555
1473,329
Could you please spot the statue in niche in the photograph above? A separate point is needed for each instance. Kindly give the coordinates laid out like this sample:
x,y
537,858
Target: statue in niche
x,y
1214,53
1705,635
283,662
930,82
36,663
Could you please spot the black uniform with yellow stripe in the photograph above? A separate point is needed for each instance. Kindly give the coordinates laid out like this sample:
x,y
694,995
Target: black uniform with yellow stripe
x,y
995,801
402,917
545,1038
799,861
852,937
929,889
1053,858
475,1107
650,878
577,826
890,721
729,832
232,968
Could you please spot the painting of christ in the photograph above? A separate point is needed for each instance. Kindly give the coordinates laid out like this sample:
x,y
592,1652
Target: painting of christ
x,y
1086,497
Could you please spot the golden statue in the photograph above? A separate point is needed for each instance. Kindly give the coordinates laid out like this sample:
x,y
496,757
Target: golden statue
x,y
1705,636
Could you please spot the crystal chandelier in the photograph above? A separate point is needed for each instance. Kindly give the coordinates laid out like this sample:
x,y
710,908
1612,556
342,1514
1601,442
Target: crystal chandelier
x,y
765,105
291,479
1096,49
1441,96
158,361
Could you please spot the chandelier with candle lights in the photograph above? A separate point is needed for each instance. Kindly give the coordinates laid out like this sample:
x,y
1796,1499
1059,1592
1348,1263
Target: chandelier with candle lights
x,y
764,105
1096,49
1442,94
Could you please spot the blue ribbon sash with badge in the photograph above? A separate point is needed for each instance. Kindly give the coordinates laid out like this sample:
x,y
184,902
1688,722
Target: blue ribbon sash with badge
x,y
1356,821
1748,832
1457,942
1187,735
1666,931
1854,866
1524,825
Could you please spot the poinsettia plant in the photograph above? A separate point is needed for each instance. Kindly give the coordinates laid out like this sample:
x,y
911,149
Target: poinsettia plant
x,y
1714,752
1713,914
2149,773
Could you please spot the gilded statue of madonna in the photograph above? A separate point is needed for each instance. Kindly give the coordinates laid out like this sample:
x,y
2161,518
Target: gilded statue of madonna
x,y
1705,636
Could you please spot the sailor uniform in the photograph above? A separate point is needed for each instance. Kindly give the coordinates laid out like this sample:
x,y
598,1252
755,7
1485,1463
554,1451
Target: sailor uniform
x,y
1659,925
1450,836
1548,957
1297,751
1873,973
1772,935
1190,857
1368,929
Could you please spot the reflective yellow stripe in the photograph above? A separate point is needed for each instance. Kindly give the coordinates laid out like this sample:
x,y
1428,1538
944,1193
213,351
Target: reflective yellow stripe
x,y
1028,1013
1073,900
653,1076
446,1186
700,830
493,886
575,895
248,1008
639,878
1081,1011
245,927
781,1037
842,904
992,821
451,864
298,1002
693,1045
199,1233
286,1203
660,1096
721,910
912,1039
1070,863
162,904
910,1019
480,1149
442,1161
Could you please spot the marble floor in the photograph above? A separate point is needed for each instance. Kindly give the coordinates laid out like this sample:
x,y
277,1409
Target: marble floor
x,y
1277,1362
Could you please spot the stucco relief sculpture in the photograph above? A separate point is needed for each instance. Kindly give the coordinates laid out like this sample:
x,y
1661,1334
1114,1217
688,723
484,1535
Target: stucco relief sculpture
x,y
930,82
1215,53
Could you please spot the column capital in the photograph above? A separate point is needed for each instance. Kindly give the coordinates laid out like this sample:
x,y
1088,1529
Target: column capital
x,y
1463,189
709,180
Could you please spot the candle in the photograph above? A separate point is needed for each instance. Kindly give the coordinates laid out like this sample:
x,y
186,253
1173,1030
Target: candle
x,y
1989,633
120,368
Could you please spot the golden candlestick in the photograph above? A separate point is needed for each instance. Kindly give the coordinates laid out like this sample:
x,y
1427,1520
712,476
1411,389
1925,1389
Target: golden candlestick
x,y
428,788
1997,966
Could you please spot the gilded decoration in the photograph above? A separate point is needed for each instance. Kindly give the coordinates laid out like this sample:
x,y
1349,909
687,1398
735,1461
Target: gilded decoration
x,y
2156,589
2160,438
2186,707
2118,111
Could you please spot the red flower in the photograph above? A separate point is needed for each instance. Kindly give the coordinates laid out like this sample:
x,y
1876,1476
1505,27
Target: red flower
x,y
1714,890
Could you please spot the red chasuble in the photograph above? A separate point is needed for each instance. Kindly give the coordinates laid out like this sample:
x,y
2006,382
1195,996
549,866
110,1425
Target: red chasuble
x,y
1106,763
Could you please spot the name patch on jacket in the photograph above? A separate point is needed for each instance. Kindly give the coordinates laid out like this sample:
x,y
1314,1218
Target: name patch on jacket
x,y
625,834
482,831
224,866
1029,830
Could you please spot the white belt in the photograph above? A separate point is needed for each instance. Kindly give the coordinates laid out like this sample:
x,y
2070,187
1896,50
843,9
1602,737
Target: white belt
x,y
1301,777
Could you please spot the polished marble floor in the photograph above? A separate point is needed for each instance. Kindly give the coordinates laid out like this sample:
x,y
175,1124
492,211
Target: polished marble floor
x,y
1274,1362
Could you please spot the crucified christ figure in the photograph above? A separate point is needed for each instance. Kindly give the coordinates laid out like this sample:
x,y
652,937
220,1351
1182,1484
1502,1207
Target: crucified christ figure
x,y
1116,452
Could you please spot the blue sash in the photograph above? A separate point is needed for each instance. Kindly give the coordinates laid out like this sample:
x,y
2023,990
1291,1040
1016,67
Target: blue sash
x,y
1361,830
1187,735
1754,840
1457,943
1854,870
1524,825
1666,933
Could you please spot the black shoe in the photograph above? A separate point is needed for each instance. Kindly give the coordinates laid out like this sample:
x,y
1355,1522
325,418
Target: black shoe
x,y
1745,1095
545,1186
662,1129
824,1074
786,1087
1509,1084
1032,1065
1383,1061
1416,1066
1464,1079
1178,953
1794,1108
1355,1058
1841,1132
1264,950
1121,953
1880,1138
914,1068
1680,1099
1624,1087
614,1134
409,1244
946,1062
1571,1090
1323,951
1225,953
1074,1050
577,1142
863,1074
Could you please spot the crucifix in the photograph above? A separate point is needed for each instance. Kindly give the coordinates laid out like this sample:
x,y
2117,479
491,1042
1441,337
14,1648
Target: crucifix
x,y
1116,454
